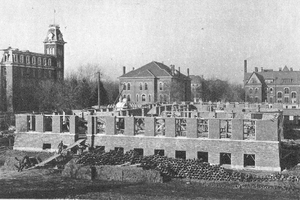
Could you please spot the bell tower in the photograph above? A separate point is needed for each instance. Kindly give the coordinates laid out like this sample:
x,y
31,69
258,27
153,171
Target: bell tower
x,y
54,45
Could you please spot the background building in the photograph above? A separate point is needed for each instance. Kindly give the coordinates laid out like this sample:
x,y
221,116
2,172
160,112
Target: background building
x,y
155,82
270,86
22,70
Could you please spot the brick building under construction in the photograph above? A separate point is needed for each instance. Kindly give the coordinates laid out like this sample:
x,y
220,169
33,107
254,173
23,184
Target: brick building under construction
x,y
240,140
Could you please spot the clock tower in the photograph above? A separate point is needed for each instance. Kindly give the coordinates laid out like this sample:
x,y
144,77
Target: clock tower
x,y
54,45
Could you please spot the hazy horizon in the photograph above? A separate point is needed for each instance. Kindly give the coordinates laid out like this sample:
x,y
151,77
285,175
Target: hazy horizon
x,y
212,38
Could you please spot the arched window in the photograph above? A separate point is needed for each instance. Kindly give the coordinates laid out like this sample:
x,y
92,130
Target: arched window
x,y
45,62
143,97
286,90
128,97
33,60
49,62
137,98
141,86
271,90
256,90
15,58
27,59
250,91
146,86
39,61
160,86
256,99
128,86
124,86
294,95
286,100
21,59
149,97
279,94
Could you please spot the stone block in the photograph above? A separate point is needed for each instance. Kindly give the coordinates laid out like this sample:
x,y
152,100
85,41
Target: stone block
x,y
74,124
129,126
149,126
237,129
110,125
40,123
214,129
170,126
22,123
267,130
191,128
57,123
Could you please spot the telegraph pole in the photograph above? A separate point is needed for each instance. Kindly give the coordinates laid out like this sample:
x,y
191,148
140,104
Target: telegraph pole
x,y
98,90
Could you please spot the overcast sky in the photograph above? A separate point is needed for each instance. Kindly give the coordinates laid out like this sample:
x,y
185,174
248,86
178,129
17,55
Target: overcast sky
x,y
211,37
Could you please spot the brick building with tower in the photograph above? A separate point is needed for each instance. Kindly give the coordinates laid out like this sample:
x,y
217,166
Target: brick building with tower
x,y
22,70
155,82
267,85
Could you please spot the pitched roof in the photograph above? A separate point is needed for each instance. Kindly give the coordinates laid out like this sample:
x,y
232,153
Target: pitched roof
x,y
152,69
278,76
260,78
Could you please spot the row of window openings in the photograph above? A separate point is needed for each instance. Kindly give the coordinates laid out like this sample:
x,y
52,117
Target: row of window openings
x,y
279,100
137,97
36,73
143,96
225,158
286,90
33,60
127,86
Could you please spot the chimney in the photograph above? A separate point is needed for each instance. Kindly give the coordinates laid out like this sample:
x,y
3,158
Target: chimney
x,y
291,69
245,66
280,69
124,70
188,72
256,69
172,70
132,68
262,69
178,71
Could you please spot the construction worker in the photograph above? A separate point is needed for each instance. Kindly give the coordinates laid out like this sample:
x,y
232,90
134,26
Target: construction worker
x,y
60,147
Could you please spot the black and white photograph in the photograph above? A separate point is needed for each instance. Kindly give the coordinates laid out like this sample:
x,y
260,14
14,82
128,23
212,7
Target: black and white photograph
x,y
150,99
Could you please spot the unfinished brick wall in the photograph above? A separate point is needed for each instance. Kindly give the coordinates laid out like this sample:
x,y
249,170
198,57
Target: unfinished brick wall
x,y
265,145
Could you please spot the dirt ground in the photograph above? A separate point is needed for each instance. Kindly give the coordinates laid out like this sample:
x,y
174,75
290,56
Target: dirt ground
x,y
49,184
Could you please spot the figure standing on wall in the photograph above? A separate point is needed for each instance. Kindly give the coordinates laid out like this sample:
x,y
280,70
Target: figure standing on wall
x,y
60,147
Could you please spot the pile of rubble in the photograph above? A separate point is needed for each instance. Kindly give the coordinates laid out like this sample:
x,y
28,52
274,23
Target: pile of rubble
x,y
177,168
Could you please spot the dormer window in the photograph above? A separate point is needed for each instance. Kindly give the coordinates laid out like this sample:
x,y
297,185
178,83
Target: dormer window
x,y
33,60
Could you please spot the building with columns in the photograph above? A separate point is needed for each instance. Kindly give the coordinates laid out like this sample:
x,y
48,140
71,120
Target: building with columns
x,y
155,82
267,85
22,70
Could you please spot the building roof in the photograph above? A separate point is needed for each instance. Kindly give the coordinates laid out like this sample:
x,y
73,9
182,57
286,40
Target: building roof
x,y
278,77
153,69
